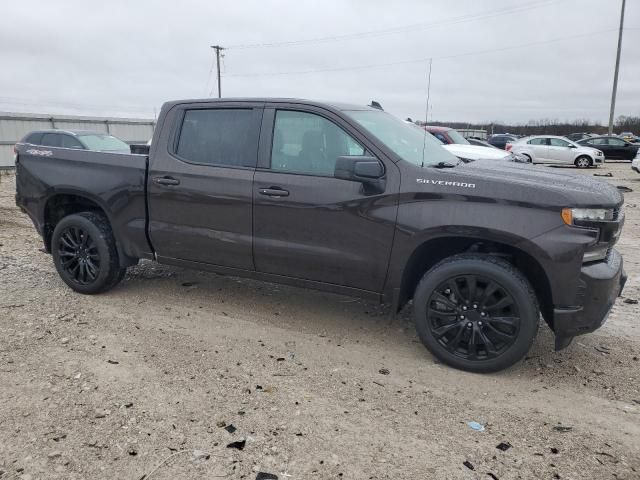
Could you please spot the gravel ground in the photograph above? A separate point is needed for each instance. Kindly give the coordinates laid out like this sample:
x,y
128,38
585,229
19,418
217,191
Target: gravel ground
x,y
310,385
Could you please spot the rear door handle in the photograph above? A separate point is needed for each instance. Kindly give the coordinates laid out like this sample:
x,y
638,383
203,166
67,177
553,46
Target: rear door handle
x,y
166,181
274,192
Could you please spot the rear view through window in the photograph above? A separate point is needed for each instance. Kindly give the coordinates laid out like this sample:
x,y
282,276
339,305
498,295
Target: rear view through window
x,y
104,143
226,137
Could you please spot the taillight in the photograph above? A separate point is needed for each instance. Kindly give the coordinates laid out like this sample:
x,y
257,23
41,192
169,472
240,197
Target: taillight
x,y
508,147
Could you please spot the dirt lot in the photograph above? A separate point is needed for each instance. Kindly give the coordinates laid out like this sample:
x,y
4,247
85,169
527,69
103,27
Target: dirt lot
x,y
108,386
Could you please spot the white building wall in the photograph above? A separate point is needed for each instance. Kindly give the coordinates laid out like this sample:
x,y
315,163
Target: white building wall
x,y
14,126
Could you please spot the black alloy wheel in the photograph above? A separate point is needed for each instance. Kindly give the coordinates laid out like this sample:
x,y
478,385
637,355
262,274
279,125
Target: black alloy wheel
x,y
473,317
476,312
79,255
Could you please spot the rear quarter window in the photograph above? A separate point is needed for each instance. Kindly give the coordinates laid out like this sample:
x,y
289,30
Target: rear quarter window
x,y
33,138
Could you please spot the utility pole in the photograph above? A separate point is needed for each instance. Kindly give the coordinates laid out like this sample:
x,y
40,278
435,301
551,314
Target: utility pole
x,y
218,49
615,75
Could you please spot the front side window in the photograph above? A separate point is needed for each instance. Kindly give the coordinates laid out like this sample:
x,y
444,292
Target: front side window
x,y
224,137
69,142
557,142
309,144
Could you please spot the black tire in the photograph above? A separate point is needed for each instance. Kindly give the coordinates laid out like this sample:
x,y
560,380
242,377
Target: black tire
x,y
529,160
470,318
583,161
85,254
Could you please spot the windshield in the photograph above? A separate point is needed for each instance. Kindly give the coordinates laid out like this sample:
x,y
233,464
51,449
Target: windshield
x,y
407,141
104,143
457,137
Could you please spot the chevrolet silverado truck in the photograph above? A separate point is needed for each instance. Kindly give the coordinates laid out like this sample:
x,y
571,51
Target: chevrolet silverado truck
x,y
345,199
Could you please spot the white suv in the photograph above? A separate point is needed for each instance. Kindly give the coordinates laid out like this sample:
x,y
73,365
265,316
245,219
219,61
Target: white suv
x,y
557,150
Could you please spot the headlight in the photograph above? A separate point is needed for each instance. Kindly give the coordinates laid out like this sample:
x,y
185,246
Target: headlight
x,y
571,215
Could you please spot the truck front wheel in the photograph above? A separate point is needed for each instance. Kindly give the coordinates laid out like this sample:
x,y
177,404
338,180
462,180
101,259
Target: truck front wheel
x,y
85,254
476,313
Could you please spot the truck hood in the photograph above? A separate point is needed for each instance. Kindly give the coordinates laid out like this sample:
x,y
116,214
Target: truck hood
x,y
475,152
540,185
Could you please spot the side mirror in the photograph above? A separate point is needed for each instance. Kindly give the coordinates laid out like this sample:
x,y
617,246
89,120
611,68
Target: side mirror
x,y
366,170
571,145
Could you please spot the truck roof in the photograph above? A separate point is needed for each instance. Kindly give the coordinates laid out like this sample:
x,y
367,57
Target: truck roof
x,y
331,105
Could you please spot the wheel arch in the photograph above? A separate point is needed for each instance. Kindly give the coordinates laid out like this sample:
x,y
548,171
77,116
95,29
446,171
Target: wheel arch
x,y
431,251
63,203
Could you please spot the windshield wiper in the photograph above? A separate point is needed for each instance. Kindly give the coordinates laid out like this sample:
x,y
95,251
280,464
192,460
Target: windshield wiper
x,y
446,165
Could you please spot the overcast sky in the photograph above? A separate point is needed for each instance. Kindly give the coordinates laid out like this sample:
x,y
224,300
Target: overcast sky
x,y
508,60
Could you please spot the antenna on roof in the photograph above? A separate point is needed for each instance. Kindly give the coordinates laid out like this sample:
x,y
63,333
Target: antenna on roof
x,y
376,105
426,115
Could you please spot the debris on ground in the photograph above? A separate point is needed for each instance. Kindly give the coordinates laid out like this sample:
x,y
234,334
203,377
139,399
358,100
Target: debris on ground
x,y
199,456
561,428
266,476
469,465
476,426
239,445
622,188
603,349
230,428
384,371
603,174
631,301
504,446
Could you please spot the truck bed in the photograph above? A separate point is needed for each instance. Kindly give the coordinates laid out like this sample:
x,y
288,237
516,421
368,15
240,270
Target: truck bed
x,y
48,178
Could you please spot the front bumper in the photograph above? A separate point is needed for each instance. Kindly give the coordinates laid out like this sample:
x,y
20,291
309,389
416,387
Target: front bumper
x,y
600,283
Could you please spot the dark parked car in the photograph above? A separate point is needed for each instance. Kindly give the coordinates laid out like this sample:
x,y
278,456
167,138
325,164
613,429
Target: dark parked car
x,y
614,148
77,139
500,140
346,199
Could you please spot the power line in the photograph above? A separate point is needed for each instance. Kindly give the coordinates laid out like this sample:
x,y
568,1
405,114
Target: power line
x,y
423,59
400,29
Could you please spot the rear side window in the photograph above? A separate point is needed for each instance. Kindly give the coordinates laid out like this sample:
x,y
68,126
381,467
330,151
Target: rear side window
x,y
51,140
225,137
557,142
537,141
615,142
33,138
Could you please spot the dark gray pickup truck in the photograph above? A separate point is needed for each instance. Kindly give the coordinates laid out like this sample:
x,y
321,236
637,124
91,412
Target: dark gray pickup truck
x,y
346,199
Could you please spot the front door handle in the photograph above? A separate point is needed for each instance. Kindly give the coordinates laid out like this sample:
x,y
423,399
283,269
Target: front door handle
x,y
166,181
274,192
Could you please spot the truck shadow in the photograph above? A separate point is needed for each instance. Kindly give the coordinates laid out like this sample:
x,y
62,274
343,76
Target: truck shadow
x,y
340,319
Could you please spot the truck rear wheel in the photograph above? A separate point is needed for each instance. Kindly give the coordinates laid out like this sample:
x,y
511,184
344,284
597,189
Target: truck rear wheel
x,y
85,254
476,313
